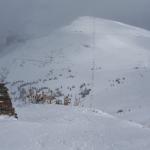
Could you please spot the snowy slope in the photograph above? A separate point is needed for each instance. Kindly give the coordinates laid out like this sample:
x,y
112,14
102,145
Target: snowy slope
x,y
64,60
45,127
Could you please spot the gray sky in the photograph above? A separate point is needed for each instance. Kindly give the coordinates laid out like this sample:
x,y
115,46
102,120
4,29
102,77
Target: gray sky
x,y
37,17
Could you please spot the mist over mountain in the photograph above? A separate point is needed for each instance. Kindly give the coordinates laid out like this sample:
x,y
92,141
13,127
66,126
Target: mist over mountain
x,y
23,19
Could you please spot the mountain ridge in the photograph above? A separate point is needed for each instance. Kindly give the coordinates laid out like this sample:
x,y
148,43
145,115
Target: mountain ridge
x,y
63,60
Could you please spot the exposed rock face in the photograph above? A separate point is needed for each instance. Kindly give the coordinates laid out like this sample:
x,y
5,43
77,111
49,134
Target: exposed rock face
x,y
6,107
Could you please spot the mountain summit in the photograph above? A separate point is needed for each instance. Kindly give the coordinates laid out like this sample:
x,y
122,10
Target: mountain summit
x,y
105,64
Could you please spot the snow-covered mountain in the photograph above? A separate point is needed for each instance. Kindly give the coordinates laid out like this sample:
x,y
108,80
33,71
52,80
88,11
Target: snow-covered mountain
x,y
105,64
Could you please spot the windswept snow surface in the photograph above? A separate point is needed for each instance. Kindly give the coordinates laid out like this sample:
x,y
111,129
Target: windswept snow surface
x,y
64,60
48,127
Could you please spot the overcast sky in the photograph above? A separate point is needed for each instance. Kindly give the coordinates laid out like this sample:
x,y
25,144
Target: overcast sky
x,y
35,17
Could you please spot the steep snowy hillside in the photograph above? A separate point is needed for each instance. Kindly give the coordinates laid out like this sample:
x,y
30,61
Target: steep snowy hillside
x,y
104,64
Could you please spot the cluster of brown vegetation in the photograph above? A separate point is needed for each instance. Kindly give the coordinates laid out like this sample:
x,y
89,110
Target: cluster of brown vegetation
x,y
38,96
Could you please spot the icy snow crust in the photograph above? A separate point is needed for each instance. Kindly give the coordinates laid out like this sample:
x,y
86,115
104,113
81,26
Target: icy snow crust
x,y
64,60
